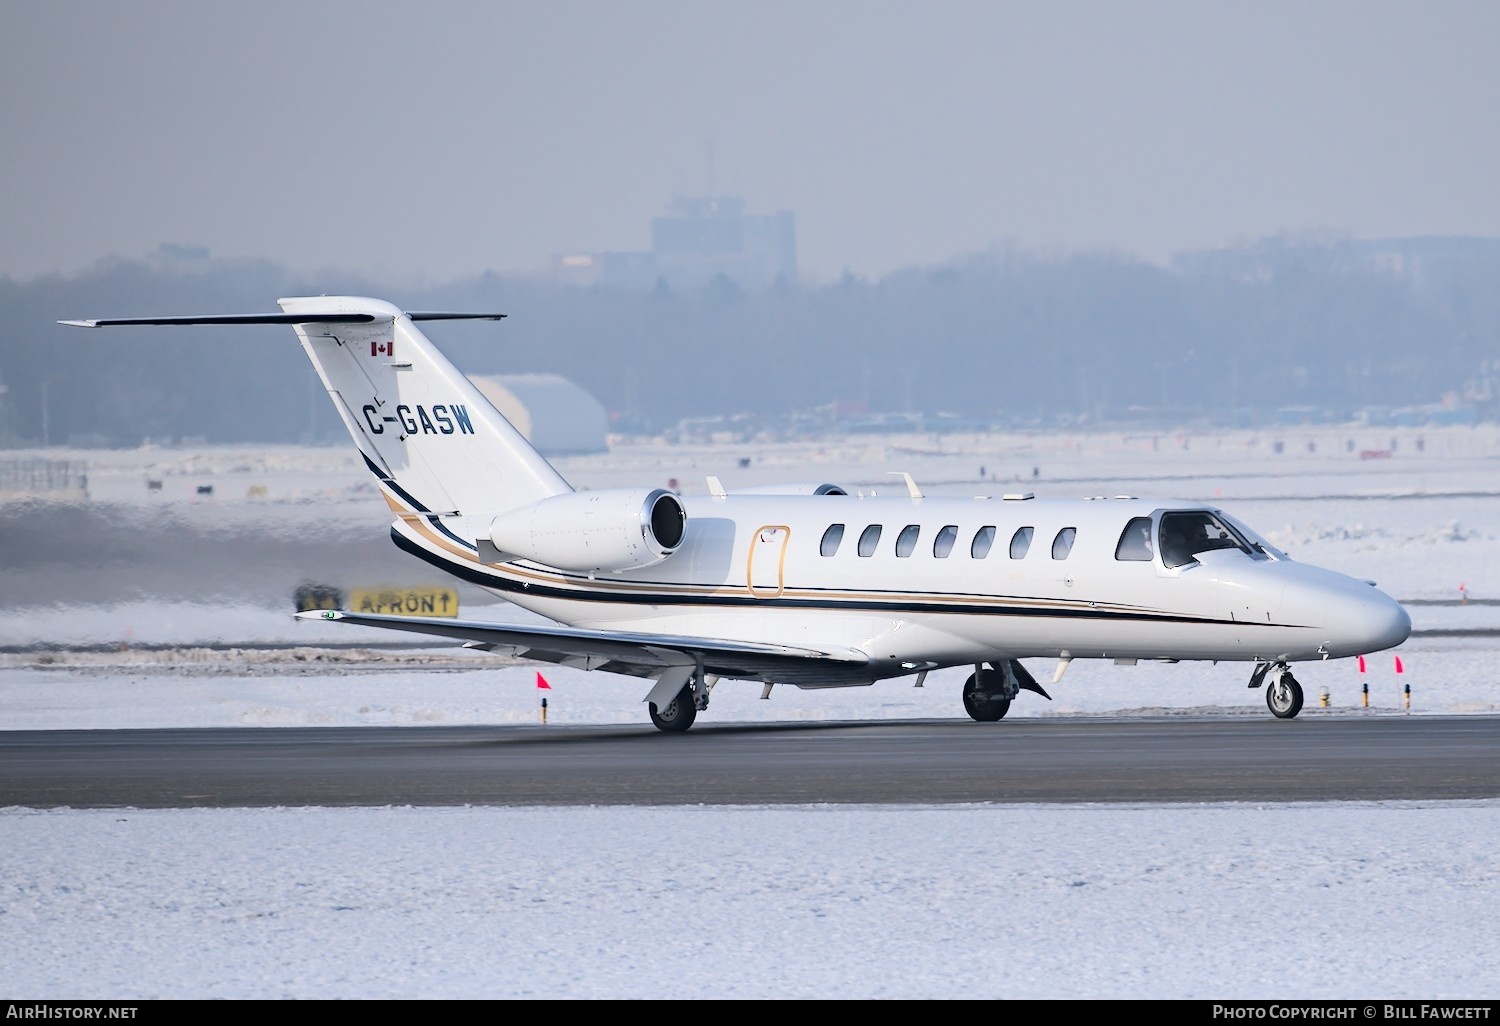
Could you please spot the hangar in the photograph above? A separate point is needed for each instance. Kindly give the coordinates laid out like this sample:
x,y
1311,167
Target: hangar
x,y
557,416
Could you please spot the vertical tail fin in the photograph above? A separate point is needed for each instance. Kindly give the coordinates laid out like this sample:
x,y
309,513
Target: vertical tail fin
x,y
435,441
437,444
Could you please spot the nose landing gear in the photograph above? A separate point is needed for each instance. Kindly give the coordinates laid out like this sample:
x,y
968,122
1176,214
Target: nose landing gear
x,y
1283,693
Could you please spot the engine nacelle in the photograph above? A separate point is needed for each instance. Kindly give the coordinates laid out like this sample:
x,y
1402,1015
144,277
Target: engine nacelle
x,y
609,529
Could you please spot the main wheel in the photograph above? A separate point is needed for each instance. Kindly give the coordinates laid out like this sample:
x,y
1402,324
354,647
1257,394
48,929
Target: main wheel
x,y
1284,698
980,702
679,713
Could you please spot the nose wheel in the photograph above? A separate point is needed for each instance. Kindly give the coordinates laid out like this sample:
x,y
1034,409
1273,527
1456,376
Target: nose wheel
x,y
1283,695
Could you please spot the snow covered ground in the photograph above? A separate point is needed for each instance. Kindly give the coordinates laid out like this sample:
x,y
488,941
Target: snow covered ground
x,y
1357,902
1363,902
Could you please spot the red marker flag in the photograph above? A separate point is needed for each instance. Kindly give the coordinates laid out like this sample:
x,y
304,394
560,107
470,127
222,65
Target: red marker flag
x,y
1361,664
541,682
1399,667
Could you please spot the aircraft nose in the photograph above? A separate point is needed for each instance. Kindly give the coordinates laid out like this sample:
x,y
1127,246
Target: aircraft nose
x,y
1391,625
1357,618
1377,622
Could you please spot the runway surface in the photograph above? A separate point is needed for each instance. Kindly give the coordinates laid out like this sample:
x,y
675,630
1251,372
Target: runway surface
x,y
1068,760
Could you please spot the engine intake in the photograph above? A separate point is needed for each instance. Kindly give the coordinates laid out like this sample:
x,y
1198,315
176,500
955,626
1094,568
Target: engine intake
x,y
609,529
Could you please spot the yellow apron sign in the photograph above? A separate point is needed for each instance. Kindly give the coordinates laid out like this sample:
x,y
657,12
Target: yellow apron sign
x,y
418,601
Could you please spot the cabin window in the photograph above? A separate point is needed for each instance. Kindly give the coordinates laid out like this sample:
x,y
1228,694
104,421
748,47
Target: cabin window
x,y
1135,540
868,539
983,539
1063,543
1020,543
906,541
831,539
943,543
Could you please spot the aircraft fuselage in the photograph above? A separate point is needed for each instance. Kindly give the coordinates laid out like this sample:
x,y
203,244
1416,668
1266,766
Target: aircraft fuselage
x,y
951,581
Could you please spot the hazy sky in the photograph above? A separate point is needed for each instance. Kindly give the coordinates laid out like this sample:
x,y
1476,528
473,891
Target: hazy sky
x,y
432,140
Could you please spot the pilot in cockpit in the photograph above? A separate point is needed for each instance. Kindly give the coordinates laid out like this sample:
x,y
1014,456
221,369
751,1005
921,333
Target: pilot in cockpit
x,y
1176,548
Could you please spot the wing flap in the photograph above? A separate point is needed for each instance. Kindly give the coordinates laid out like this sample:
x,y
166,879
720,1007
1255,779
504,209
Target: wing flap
x,y
640,654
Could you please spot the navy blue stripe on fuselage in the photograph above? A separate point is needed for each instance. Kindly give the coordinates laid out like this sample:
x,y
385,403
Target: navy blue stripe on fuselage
x,y
389,482
411,500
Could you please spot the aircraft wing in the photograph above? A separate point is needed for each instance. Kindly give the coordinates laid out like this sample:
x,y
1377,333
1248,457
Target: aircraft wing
x,y
640,654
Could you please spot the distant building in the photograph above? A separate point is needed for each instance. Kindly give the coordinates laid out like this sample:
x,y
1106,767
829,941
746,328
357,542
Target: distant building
x,y
173,256
706,237
40,477
557,417
696,242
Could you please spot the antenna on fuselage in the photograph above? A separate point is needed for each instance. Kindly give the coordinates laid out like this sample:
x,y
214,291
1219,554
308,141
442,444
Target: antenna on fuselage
x,y
911,485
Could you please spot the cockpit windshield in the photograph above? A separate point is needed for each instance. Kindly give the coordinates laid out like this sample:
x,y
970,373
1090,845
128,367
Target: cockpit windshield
x,y
1258,543
1184,535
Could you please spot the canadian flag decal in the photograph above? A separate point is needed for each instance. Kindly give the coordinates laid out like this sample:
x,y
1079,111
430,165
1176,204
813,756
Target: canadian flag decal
x,y
385,348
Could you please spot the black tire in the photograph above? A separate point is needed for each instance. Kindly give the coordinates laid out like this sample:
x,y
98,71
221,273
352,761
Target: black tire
x,y
679,713
1284,698
979,700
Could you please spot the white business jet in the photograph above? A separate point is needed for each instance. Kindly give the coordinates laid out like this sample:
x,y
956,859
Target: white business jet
x,y
807,585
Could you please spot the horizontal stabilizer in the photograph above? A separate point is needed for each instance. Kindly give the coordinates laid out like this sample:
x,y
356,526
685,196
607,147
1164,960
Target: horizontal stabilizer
x,y
432,315
267,318
278,318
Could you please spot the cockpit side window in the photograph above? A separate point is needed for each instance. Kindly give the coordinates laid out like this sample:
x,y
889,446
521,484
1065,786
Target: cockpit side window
x,y
1186,535
1135,540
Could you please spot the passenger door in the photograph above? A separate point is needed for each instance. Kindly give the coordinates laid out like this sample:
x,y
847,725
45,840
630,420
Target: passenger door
x,y
767,560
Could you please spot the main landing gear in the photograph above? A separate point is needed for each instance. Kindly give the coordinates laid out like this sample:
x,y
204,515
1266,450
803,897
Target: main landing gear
x,y
678,714
1283,693
986,697
988,692
680,694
